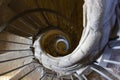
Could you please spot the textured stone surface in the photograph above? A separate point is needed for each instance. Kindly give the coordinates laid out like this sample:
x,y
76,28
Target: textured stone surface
x,y
72,9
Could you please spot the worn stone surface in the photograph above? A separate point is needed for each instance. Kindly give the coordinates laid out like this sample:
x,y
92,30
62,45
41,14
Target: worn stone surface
x,y
71,9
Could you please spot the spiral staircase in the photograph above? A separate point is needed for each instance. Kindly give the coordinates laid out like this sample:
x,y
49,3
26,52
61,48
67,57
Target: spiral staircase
x,y
28,27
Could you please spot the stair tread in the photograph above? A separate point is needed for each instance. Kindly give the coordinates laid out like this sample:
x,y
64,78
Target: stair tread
x,y
15,75
14,64
11,46
10,37
14,55
9,75
34,75
24,71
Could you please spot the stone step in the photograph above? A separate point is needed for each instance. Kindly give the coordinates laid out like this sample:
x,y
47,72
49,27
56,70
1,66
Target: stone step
x,y
17,74
11,37
9,66
26,71
14,55
36,74
12,46
9,75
